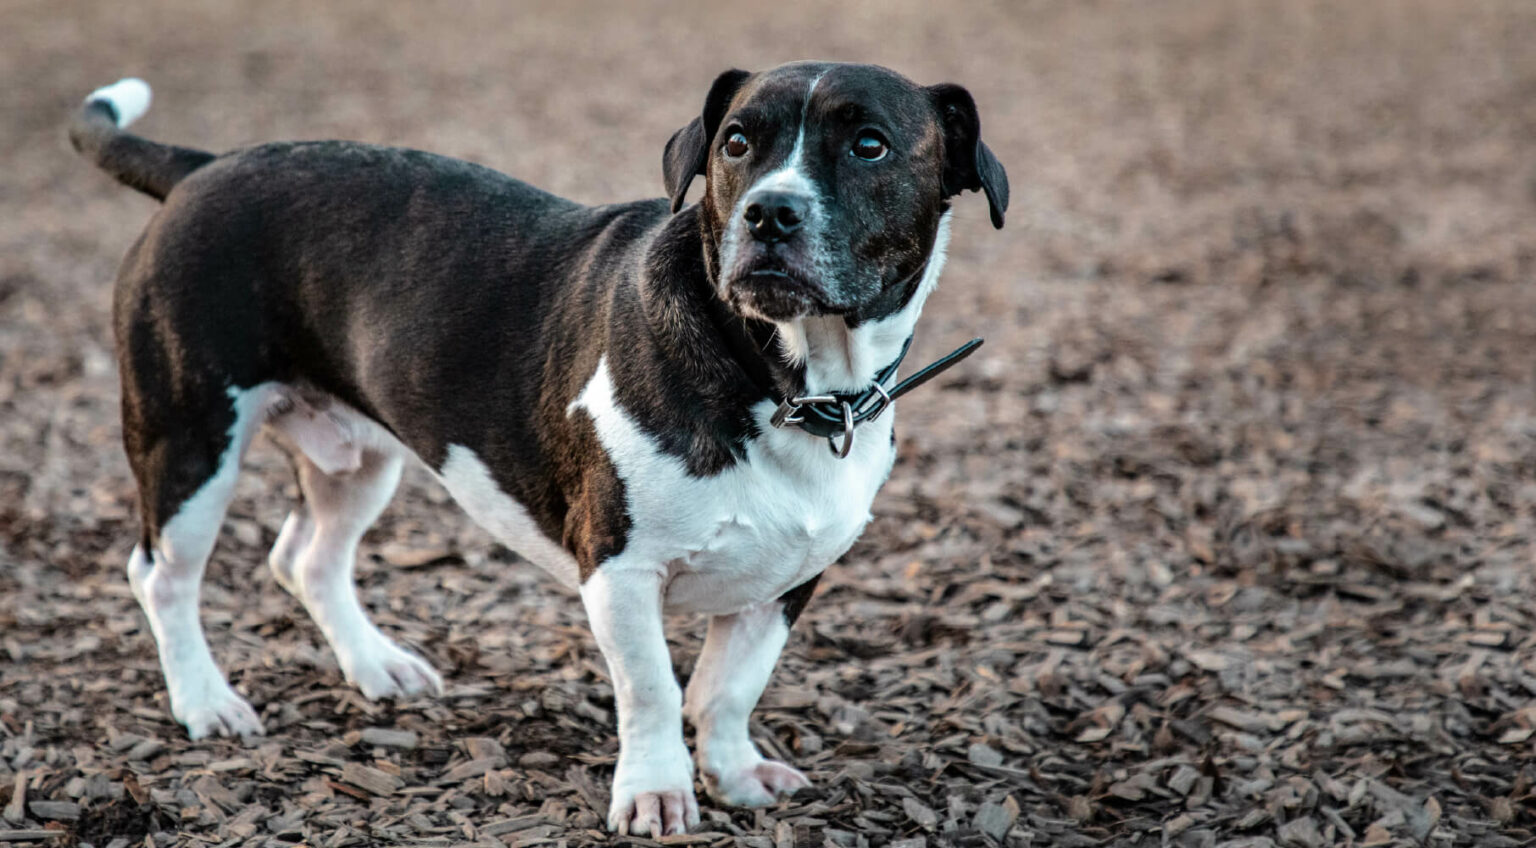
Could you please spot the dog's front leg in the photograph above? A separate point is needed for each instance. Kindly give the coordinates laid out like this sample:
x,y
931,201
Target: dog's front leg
x,y
653,783
739,654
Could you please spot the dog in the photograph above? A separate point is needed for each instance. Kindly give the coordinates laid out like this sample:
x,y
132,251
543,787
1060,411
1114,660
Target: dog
x,y
670,407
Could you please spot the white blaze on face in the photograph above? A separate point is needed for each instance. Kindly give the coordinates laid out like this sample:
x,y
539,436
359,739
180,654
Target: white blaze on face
x,y
789,177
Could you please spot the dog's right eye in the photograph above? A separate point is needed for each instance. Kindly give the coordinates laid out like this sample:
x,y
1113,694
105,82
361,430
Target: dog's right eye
x,y
736,146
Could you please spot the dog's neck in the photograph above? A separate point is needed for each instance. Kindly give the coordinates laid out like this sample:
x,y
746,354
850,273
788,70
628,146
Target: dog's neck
x,y
841,355
822,354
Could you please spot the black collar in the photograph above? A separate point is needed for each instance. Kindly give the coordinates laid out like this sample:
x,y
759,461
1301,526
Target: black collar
x,y
840,413
827,416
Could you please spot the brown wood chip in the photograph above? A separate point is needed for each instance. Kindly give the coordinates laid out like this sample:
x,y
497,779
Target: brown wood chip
x,y
370,779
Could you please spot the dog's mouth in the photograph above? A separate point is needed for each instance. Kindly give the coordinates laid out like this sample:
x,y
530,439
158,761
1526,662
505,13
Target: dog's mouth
x,y
775,291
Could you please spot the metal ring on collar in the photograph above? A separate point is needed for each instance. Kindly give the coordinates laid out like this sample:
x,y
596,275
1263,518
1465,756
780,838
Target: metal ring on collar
x,y
842,453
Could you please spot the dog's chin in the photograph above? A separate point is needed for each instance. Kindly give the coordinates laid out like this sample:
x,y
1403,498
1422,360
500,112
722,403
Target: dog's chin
x,y
772,296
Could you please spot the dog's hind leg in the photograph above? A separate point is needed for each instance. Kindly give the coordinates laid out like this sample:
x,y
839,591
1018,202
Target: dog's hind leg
x,y
315,435
298,530
186,462
314,558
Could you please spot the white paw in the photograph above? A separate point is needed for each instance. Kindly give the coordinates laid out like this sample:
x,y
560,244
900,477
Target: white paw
x,y
384,670
653,797
216,711
755,784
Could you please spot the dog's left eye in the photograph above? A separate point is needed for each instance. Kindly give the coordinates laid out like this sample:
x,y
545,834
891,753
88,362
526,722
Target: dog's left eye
x,y
869,147
736,146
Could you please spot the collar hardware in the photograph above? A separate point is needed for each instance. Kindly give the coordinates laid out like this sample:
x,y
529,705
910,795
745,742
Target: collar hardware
x,y
840,414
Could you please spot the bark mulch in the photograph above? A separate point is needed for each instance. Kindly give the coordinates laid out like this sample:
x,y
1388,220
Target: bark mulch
x,y
1223,539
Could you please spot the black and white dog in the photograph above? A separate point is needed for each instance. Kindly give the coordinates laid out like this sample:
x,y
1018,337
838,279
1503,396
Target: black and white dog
x,y
639,398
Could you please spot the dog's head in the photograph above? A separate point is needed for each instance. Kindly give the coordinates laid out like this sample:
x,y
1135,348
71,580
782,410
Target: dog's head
x,y
826,183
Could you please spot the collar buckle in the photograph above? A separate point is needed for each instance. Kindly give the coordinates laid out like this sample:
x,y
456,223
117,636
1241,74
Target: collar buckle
x,y
786,413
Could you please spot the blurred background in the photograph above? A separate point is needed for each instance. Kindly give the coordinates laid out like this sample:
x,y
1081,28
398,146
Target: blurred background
x,y
1225,535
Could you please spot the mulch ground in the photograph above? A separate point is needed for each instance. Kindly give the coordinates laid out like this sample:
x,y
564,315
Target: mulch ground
x,y
1223,539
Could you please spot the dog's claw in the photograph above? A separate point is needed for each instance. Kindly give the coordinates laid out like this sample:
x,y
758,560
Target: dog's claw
x,y
675,813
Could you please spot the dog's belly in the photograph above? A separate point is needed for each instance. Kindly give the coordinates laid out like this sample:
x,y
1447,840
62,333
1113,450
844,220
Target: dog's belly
x,y
333,435
728,541
470,482
750,533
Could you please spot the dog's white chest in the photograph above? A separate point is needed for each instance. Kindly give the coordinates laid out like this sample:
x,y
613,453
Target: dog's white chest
x,y
753,531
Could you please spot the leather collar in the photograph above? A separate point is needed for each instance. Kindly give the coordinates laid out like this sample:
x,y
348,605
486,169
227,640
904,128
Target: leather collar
x,y
840,414
826,416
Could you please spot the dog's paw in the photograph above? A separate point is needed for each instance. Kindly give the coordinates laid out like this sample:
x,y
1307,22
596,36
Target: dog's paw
x,y
654,814
217,713
654,797
754,785
385,670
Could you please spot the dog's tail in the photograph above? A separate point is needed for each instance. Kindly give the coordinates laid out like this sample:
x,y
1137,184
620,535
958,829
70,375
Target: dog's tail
x,y
97,132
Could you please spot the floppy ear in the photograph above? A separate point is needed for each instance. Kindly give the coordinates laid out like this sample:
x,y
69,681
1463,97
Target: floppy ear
x,y
687,152
968,164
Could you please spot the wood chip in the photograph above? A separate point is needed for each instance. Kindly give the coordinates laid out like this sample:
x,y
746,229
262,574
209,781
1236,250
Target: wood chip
x,y
370,779
1300,833
995,819
385,737
16,810
921,814
55,810
468,770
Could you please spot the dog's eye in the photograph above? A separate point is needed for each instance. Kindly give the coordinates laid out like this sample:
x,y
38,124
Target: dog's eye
x,y
869,147
736,146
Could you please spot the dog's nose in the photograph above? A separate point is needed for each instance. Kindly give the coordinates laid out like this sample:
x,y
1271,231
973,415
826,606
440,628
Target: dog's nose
x,y
774,216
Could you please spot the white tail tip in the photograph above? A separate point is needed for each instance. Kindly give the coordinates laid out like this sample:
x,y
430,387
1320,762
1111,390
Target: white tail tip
x,y
128,97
